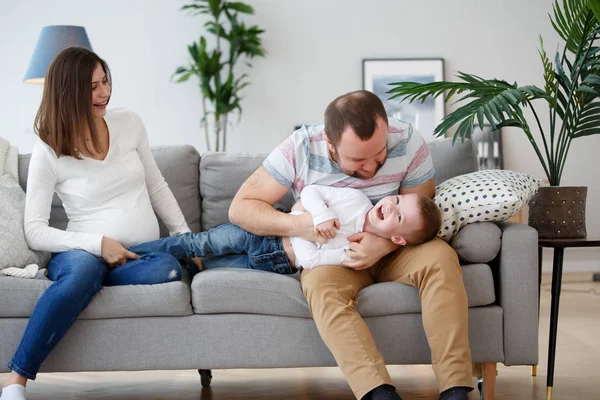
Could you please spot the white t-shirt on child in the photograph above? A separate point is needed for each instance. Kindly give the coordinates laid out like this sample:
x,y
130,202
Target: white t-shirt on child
x,y
350,206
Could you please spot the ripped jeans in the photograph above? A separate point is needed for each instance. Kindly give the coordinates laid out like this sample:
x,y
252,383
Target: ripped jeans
x,y
78,276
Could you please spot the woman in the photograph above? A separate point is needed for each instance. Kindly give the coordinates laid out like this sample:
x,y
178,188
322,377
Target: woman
x,y
99,162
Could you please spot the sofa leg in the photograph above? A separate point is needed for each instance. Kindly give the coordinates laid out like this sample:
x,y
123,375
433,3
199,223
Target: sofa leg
x,y
489,381
205,377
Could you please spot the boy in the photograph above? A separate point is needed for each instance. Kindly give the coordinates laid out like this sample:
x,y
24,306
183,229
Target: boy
x,y
337,213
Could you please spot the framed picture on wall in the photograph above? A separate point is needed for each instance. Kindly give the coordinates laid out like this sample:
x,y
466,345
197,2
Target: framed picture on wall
x,y
379,73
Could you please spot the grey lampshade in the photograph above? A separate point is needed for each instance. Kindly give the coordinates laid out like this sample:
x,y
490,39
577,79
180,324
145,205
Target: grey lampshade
x,y
53,40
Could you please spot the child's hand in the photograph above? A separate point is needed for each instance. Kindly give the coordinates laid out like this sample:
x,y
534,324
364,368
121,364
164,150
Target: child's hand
x,y
327,229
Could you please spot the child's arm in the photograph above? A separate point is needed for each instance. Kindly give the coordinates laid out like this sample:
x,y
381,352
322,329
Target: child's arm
x,y
316,200
309,256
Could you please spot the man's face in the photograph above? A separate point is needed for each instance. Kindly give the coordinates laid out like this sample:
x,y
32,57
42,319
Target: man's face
x,y
358,158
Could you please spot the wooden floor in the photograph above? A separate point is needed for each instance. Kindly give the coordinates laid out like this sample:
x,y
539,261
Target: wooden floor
x,y
577,369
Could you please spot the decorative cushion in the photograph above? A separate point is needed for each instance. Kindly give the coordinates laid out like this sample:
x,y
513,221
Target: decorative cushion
x,y
490,195
477,243
14,251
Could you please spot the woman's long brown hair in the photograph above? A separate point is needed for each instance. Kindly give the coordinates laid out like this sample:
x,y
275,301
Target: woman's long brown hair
x,y
65,114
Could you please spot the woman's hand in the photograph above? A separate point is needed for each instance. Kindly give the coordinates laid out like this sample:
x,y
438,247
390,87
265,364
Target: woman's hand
x,y
114,253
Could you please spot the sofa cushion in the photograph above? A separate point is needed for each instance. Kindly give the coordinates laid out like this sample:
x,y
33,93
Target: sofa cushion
x,y
490,195
477,243
245,291
14,251
451,158
18,297
221,175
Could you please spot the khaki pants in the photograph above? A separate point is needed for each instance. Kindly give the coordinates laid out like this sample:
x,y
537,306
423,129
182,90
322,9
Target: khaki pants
x,y
433,268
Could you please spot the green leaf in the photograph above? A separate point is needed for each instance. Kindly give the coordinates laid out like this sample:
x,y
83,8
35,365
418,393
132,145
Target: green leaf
x,y
240,7
185,77
194,9
586,89
593,130
594,5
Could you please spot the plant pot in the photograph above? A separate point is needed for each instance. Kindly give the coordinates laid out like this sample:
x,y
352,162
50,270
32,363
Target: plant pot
x,y
558,212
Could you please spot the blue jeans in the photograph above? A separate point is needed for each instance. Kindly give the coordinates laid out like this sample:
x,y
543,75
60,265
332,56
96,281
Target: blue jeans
x,y
265,253
78,276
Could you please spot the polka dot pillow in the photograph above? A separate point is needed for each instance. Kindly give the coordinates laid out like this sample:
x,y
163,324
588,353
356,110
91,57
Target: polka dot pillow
x,y
490,195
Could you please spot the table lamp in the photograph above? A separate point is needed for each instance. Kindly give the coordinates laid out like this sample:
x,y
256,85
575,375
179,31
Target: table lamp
x,y
53,40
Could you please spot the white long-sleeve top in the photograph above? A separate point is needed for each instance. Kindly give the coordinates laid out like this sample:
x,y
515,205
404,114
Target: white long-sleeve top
x,y
113,197
349,205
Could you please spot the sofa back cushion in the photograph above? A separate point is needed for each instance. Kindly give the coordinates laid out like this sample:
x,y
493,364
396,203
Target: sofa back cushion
x,y
452,160
179,166
221,175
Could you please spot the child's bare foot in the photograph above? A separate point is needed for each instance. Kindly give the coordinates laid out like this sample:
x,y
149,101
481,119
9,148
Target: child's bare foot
x,y
198,262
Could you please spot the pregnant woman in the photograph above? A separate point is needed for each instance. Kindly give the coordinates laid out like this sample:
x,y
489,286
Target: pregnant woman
x,y
100,165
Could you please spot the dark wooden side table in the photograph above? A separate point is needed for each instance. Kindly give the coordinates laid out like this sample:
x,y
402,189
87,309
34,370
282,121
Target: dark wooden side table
x,y
559,246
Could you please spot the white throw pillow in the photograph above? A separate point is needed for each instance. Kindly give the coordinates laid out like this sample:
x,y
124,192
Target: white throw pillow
x,y
491,195
14,251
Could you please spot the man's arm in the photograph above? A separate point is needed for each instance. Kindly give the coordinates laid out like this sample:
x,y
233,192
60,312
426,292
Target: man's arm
x,y
252,209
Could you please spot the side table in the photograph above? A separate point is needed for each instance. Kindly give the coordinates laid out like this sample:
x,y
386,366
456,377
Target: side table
x,y
559,246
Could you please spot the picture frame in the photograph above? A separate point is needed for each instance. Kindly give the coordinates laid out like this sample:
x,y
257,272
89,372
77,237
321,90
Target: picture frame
x,y
378,73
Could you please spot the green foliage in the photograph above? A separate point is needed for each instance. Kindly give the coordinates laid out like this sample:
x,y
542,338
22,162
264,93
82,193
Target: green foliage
x,y
571,91
215,69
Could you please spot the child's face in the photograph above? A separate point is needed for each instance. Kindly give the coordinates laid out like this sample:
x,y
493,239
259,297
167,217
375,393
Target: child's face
x,y
396,217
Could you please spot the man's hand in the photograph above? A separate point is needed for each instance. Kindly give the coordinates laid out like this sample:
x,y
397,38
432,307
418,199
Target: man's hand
x,y
114,253
366,249
327,230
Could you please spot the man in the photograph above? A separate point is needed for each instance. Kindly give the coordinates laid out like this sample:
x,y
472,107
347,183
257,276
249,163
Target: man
x,y
359,147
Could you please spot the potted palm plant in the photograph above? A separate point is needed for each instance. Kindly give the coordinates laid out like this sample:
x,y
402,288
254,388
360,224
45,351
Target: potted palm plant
x,y
215,69
571,91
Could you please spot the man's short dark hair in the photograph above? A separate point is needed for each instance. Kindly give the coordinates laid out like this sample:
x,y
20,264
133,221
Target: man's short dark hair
x,y
358,110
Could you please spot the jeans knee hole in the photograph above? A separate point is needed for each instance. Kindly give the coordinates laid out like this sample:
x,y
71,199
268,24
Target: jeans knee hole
x,y
173,275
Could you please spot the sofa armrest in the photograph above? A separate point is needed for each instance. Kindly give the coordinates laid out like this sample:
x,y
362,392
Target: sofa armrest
x,y
517,292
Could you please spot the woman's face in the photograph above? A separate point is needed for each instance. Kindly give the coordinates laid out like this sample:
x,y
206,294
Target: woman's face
x,y
100,92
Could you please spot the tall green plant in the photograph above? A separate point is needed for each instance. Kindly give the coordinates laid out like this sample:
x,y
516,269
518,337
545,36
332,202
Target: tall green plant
x,y
571,91
215,69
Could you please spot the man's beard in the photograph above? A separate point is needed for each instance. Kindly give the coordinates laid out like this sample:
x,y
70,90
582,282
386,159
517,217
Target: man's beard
x,y
357,174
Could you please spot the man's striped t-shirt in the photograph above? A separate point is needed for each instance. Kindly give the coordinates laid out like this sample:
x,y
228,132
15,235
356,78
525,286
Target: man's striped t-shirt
x,y
303,159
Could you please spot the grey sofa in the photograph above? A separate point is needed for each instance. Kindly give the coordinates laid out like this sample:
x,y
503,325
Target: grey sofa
x,y
238,318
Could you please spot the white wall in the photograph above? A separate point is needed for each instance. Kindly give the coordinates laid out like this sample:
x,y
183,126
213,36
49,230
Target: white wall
x,y
315,48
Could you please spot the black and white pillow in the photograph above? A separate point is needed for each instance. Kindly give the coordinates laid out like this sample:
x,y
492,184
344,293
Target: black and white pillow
x,y
490,195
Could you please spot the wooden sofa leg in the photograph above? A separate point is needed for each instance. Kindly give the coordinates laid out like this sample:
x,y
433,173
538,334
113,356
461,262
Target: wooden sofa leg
x,y
489,381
